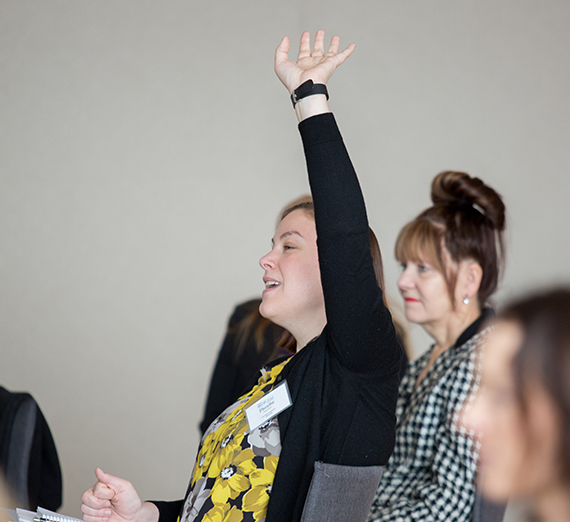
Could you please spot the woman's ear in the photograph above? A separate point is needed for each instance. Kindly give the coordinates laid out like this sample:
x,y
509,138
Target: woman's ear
x,y
469,280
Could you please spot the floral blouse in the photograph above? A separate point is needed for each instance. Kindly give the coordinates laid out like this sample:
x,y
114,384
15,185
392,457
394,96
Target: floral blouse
x,y
235,467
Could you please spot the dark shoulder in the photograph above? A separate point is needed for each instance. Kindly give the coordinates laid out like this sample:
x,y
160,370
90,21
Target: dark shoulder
x,y
242,310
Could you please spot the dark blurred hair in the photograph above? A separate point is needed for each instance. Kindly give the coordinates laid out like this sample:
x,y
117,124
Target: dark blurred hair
x,y
544,356
254,327
466,220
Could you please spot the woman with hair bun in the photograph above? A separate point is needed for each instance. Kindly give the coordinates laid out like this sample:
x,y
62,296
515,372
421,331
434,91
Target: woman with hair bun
x,y
451,256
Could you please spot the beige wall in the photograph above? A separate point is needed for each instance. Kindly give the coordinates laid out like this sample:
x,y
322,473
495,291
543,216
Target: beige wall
x,y
146,148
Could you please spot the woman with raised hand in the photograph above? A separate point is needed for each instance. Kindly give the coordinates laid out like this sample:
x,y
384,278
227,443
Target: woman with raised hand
x,y
523,408
309,440
451,255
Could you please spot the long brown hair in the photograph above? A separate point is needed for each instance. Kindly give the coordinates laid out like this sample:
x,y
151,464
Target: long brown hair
x,y
544,357
256,330
467,221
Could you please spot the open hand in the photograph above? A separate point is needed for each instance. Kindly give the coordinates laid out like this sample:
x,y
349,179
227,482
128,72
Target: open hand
x,y
317,65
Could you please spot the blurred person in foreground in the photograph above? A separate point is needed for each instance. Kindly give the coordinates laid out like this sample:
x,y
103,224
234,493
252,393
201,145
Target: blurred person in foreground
x,y
523,408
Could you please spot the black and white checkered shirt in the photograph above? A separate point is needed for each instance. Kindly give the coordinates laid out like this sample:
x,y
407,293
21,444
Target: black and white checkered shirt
x,y
431,474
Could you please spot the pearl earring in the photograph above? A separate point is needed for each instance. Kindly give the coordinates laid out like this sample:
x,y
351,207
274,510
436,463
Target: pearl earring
x,y
466,300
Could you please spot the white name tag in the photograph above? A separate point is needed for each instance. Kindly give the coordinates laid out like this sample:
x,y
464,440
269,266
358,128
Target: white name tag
x,y
268,406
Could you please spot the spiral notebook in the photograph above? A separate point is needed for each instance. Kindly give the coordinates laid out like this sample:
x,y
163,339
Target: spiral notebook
x,y
41,515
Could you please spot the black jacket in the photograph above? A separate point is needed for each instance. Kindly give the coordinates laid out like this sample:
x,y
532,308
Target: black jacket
x,y
28,458
344,384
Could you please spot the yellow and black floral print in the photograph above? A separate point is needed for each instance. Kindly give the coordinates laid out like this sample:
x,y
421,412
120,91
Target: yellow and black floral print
x,y
235,467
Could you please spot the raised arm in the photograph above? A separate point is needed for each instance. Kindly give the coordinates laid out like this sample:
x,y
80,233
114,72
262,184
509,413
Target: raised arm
x,y
359,324
316,66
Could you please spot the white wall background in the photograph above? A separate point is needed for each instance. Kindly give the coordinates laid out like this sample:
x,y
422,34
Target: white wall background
x,y
146,147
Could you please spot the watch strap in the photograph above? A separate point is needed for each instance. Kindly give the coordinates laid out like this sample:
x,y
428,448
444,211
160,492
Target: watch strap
x,y
308,88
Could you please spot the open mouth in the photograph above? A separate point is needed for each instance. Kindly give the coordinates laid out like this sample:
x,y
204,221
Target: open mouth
x,y
271,284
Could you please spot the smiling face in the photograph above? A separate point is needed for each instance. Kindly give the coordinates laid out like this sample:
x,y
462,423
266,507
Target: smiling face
x,y
519,448
293,295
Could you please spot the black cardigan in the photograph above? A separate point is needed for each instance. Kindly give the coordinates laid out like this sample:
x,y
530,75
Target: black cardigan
x,y
343,384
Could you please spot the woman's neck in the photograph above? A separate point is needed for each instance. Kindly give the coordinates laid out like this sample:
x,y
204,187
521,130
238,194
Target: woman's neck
x,y
446,332
306,335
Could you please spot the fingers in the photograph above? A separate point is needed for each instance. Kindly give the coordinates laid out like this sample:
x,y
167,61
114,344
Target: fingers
x,y
103,492
319,47
93,507
114,483
110,499
98,497
315,65
89,518
112,487
283,47
87,508
282,52
341,57
334,45
305,46
95,515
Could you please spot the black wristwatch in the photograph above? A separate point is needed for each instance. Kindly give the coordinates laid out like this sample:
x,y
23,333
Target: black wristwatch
x,y
308,89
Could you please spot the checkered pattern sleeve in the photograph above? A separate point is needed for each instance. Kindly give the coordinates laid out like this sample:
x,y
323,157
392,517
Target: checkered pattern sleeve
x,y
431,475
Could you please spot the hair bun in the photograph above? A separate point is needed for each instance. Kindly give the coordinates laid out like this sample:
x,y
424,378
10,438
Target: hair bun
x,y
458,189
